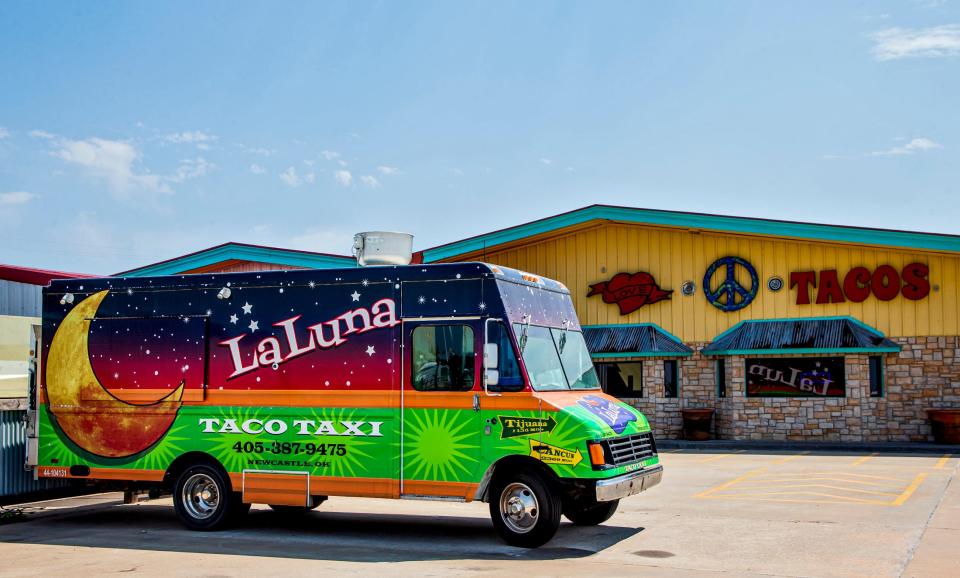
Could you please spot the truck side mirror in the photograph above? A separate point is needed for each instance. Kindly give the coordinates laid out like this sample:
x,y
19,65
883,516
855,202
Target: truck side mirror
x,y
491,355
492,376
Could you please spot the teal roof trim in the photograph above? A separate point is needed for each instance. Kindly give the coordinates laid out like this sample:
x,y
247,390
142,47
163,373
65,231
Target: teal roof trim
x,y
231,251
618,354
805,351
827,334
812,231
654,325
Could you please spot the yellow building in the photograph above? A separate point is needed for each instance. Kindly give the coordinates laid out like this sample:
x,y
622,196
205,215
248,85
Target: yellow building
x,y
786,330
19,312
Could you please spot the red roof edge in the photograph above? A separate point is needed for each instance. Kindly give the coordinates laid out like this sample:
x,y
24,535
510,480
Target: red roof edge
x,y
33,276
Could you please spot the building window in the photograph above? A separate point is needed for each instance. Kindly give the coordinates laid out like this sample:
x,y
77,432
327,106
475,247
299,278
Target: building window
x,y
876,376
721,377
796,377
671,378
443,358
622,379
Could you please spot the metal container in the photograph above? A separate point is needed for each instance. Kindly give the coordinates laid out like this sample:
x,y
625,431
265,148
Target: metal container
x,y
14,479
383,248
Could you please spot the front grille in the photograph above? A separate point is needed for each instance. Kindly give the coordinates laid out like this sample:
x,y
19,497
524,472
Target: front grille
x,y
629,449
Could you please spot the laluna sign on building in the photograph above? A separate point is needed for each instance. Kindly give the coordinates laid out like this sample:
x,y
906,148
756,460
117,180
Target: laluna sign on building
x,y
786,330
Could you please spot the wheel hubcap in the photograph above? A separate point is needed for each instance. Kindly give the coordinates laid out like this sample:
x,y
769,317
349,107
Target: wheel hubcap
x,y
519,508
200,496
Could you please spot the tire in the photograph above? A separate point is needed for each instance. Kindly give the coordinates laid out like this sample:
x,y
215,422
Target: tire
x,y
204,500
525,510
298,510
592,514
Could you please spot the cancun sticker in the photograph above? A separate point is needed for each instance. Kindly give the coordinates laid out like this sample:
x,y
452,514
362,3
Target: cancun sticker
x,y
549,454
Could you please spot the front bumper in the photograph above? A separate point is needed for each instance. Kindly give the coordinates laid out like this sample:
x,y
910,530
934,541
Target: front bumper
x,y
628,484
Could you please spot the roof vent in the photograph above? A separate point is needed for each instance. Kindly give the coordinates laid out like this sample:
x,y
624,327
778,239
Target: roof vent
x,y
383,248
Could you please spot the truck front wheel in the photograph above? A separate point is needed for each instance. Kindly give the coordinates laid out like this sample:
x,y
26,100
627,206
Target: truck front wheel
x,y
524,509
591,514
203,500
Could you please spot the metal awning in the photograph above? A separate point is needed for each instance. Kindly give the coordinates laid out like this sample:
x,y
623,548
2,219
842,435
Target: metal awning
x,y
796,336
632,340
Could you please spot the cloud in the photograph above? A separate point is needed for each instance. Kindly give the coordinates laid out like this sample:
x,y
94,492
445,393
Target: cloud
x,y
914,146
936,42
370,181
385,170
309,162
294,179
344,178
192,169
4,133
455,171
110,160
42,134
546,161
329,155
16,198
257,169
197,137
262,151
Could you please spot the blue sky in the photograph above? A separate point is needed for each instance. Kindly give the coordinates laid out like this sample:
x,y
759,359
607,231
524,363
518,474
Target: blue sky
x,y
135,132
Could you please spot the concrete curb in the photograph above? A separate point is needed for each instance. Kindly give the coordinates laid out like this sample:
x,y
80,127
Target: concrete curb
x,y
776,446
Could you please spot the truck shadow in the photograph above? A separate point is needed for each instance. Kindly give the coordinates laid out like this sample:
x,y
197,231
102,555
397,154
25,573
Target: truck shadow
x,y
348,537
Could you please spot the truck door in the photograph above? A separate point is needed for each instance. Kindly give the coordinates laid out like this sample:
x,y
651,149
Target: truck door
x,y
440,407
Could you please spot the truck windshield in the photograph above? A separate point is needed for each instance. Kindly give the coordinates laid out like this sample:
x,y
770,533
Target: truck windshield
x,y
556,359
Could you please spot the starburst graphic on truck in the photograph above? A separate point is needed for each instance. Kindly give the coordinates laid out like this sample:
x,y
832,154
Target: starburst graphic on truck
x,y
356,460
172,446
435,446
222,446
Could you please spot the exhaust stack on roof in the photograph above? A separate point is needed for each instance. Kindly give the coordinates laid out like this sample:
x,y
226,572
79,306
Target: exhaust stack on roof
x,y
383,248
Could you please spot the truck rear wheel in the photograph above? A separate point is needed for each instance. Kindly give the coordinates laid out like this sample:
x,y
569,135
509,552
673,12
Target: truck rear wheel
x,y
591,514
203,499
524,509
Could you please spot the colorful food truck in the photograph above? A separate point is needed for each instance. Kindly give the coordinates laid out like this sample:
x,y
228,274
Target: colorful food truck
x,y
455,382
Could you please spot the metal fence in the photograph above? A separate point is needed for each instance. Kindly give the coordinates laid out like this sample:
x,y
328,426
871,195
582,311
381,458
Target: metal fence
x,y
14,480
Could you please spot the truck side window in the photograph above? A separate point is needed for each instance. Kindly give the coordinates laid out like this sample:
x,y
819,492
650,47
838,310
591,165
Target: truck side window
x,y
443,358
510,377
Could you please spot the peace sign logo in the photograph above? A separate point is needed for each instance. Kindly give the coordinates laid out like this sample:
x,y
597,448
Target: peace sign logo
x,y
730,295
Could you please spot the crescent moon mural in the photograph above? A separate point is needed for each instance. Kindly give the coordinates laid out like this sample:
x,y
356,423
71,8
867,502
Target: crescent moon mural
x,y
86,412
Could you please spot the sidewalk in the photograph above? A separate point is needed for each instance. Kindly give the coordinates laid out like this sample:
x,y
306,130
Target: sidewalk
x,y
936,552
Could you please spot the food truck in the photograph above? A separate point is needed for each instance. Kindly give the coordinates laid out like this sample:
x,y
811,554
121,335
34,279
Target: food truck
x,y
456,382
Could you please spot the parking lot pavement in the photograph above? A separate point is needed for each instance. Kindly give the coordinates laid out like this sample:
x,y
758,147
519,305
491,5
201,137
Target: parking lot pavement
x,y
737,513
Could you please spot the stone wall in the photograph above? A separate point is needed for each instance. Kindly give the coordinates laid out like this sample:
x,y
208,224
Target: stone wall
x,y
924,374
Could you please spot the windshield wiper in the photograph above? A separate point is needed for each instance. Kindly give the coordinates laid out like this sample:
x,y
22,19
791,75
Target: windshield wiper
x,y
563,336
525,321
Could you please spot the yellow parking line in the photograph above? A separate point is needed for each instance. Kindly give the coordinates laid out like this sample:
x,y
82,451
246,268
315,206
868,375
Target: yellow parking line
x,y
820,478
796,501
910,490
864,459
790,458
726,485
744,487
942,462
720,456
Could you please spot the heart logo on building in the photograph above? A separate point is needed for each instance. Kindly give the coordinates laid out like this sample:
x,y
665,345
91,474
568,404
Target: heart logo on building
x,y
630,291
